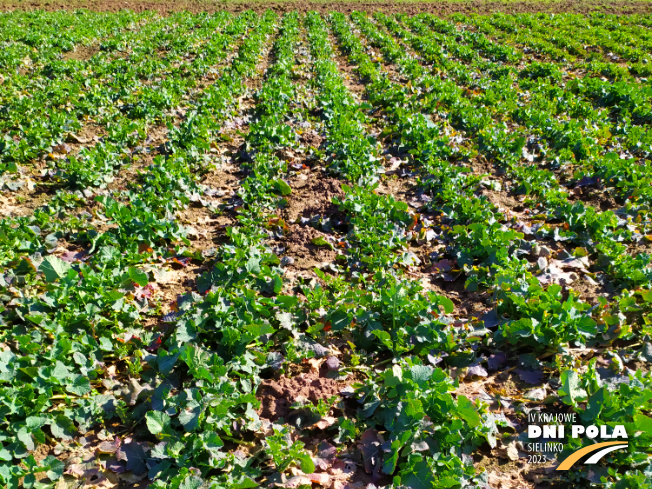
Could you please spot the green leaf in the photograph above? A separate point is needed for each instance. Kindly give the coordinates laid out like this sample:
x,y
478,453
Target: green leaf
x,y
63,428
418,476
106,344
647,295
137,276
26,438
55,467
446,303
157,422
643,423
54,268
321,241
306,463
35,422
384,338
189,417
421,373
245,483
81,385
468,412
570,387
6,455
282,187
60,372
191,482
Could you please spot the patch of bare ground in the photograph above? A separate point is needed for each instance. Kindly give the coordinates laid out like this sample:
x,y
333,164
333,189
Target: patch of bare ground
x,y
82,53
590,291
90,131
468,304
594,197
313,193
311,198
398,187
644,247
23,202
224,178
308,384
504,473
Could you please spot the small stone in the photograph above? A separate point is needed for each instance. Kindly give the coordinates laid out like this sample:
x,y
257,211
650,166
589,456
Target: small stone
x,y
332,363
589,280
512,451
287,260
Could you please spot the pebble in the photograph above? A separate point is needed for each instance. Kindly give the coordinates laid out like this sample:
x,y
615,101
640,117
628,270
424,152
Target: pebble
x,y
287,260
332,363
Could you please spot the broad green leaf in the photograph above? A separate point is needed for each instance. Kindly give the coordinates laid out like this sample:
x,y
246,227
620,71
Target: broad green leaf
x,y
137,276
157,422
570,387
306,463
321,241
421,373
54,268
468,412
282,187
81,385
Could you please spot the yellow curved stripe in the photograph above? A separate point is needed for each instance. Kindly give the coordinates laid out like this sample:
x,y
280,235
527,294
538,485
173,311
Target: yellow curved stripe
x,y
574,457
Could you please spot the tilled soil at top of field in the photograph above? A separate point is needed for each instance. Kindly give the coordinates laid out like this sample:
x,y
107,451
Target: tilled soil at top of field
x,y
409,7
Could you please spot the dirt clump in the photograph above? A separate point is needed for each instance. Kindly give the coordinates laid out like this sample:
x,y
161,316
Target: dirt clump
x,y
304,253
277,395
311,139
82,53
311,196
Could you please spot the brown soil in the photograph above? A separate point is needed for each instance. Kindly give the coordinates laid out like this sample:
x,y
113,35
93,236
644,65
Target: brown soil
x,y
305,254
223,178
467,304
397,187
277,395
312,195
590,292
596,198
22,203
515,474
82,53
311,138
410,7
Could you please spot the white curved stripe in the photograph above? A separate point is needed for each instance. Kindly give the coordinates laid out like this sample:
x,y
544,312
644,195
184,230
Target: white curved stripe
x,y
598,455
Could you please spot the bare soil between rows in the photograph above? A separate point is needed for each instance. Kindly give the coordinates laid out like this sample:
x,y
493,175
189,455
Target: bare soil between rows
x,y
622,7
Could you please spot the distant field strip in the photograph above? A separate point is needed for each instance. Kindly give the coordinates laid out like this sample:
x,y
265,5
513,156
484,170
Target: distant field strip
x,y
322,249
